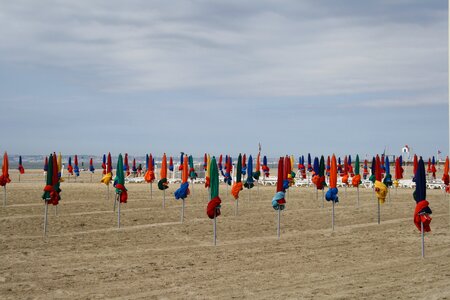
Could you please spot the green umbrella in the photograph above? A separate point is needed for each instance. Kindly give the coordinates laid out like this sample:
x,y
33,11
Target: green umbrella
x,y
357,165
213,208
119,184
192,173
49,181
214,178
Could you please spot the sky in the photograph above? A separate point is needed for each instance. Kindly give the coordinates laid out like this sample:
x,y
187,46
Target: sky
x,y
349,76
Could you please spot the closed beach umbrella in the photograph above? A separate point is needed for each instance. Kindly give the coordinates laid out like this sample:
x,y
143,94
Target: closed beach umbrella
x,y
91,166
69,166
249,182
46,164
356,180
214,204
257,172
192,173
20,167
119,184
445,176
162,183
107,178
76,170
149,176
265,167
237,186
388,177
126,166
433,167
104,164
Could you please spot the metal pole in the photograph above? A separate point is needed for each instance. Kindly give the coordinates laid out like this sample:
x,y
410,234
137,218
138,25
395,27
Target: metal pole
x,y
357,190
236,207
56,210
182,211
164,199
423,240
332,216
4,195
118,211
45,217
107,191
151,191
215,228
378,201
323,197
279,221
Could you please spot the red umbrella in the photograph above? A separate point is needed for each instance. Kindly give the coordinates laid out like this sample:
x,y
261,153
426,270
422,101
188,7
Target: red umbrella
x,y
378,175
4,178
344,173
445,176
126,165
279,201
429,166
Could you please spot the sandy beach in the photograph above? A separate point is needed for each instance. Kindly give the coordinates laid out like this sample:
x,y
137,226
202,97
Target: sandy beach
x,y
153,256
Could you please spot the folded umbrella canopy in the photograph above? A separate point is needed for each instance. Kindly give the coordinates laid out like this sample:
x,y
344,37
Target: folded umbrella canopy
x,y
119,181
302,167
213,208
320,177
365,169
339,166
4,178
133,168
219,164
20,167
107,178
415,166
207,178
332,193
279,201
126,166
422,210
46,164
388,177
76,170
380,188
192,173
356,179
244,165
310,168
228,169
433,167
286,172
429,166
205,162
183,191
349,166
69,166
104,164
162,183
445,176
149,176
372,170
382,164
265,167
328,167
249,183
345,172
237,186
316,176
91,166
257,172
171,163
52,188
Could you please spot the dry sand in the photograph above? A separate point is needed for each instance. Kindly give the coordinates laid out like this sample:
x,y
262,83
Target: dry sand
x,y
155,257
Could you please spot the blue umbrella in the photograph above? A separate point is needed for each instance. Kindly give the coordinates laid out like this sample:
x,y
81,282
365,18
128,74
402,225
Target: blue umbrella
x,y
388,177
309,163
421,184
349,161
249,182
146,161
316,165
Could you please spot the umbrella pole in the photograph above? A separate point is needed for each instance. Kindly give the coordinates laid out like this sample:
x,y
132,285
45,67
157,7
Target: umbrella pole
x,y
4,195
279,221
345,192
19,177
151,191
182,211
56,210
257,189
317,194
118,211
107,191
91,177
323,197
236,207
378,211
215,228
45,218
357,190
423,240
226,195
389,198
164,199
332,216
115,202
249,193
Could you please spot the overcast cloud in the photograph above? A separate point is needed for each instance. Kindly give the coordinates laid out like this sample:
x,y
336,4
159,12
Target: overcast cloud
x,y
219,76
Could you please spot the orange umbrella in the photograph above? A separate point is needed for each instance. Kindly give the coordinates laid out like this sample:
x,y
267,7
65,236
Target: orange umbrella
x,y
445,177
162,183
183,191
4,178
332,193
